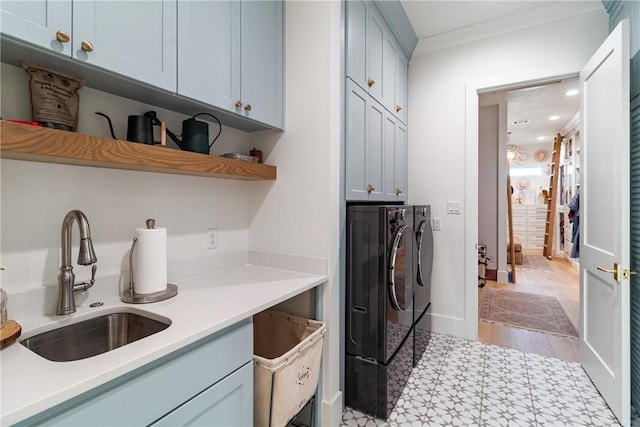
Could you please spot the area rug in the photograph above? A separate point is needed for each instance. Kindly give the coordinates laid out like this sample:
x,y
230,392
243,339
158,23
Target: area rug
x,y
527,311
535,262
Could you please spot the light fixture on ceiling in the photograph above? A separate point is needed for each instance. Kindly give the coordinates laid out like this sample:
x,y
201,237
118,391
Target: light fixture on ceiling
x,y
554,117
572,92
513,151
542,138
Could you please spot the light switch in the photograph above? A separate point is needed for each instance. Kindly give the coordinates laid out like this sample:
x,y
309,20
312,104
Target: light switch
x,y
453,208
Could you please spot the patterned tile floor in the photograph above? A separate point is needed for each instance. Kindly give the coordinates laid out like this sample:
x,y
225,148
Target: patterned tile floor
x,y
467,383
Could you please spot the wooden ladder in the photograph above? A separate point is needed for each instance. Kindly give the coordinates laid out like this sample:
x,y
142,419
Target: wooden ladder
x,y
547,250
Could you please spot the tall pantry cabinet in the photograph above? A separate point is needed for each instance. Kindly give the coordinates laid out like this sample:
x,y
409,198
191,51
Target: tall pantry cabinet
x,y
376,107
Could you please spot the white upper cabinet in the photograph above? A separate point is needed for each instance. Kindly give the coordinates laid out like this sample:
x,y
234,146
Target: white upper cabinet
x,y
374,59
401,87
241,70
46,24
262,62
210,75
138,41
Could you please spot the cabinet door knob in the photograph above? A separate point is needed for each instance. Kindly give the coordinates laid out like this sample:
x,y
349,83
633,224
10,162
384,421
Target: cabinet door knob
x,y
247,108
398,108
238,104
398,191
86,46
371,82
370,188
62,37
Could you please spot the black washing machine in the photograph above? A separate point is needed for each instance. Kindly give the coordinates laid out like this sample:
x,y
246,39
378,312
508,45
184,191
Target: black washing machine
x,y
422,295
381,262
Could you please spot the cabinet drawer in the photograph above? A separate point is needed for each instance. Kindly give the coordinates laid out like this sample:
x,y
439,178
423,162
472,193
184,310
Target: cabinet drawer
x,y
227,403
150,392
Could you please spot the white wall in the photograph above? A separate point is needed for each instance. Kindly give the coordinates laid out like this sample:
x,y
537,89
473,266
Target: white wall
x,y
299,212
443,115
36,196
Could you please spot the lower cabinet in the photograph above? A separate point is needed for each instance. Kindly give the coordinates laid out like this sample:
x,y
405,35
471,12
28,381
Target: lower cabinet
x,y
211,378
227,403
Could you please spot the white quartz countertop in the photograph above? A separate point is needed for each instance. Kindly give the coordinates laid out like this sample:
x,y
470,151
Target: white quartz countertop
x,y
203,306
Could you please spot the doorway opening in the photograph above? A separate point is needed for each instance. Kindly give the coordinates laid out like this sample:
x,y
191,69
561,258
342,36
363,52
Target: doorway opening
x,y
539,311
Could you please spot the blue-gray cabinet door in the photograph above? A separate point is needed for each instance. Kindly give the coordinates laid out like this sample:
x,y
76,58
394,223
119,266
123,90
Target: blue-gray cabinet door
x,y
262,85
356,41
136,39
395,159
229,402
40,23
363,139
210,75
375,53
401,87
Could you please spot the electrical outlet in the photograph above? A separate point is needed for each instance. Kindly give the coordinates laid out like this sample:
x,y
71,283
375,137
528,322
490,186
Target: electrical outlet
x,y
212,238
437,224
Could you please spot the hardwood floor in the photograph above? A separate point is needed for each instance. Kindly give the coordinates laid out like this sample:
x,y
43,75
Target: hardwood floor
x,y
563,283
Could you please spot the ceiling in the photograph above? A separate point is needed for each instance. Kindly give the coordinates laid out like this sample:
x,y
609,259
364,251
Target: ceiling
x,y
438,20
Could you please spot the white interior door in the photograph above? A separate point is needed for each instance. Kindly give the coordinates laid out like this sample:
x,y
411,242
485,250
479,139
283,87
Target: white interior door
x,y
604,221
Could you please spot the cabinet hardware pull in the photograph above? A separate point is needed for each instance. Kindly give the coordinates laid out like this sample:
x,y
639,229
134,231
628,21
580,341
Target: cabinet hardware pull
x,y
371,82
62,37
86,46
398,191
616,271
247,108
370,188
238,104
398,108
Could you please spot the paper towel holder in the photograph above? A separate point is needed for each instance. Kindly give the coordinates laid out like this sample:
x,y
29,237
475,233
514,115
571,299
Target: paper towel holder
x,y
131,297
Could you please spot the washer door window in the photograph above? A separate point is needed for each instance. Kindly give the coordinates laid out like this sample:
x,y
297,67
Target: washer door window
x,y
400,270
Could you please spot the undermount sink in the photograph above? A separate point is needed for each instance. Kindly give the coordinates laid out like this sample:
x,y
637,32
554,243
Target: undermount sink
x,y
93,336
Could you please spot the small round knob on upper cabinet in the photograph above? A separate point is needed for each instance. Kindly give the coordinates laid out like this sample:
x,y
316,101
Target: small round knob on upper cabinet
x,y
238,104
62,36
398,191
398,108
86,46
370,188
371,82
247,108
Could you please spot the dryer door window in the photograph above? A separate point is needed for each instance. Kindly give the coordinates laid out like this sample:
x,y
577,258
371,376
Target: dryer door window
x,y
400,269
425,252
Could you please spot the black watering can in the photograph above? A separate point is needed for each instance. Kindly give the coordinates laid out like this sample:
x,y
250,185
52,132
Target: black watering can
x,y
195,133
139,128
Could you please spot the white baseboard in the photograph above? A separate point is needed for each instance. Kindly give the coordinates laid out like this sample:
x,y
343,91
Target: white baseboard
x,y
331,413
453,326
503,276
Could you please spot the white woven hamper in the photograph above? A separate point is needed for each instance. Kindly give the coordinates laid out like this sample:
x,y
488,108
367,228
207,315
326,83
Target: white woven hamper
x,y
287,352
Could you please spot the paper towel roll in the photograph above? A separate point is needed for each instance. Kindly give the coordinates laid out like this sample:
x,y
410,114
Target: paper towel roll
x,y
150,260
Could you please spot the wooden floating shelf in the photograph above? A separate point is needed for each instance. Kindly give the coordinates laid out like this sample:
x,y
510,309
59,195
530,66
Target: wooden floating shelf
x,y
25,142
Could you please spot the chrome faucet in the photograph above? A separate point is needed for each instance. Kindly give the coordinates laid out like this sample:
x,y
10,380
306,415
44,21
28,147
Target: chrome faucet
x,y
86,256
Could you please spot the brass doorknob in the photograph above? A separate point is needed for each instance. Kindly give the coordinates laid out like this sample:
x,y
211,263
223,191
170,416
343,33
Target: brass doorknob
x,y
86,46
371,82
62,37
398,108
398,191
370,188
616,271
247,108
238,104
